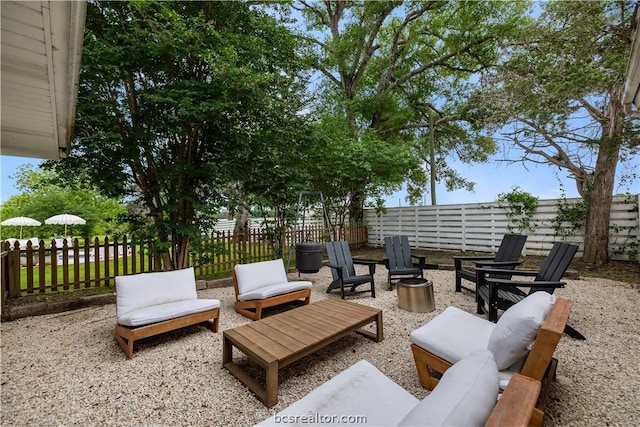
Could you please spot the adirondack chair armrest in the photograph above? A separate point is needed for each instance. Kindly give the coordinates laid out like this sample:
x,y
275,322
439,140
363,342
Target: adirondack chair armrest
x,y
421,260
364,261
472,258
369,262
536,284
497,264
338,269
457,260
484,270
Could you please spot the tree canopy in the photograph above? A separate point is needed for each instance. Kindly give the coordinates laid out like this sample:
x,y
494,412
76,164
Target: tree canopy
x,y
392,70
44,194
185,107
559,92
174,98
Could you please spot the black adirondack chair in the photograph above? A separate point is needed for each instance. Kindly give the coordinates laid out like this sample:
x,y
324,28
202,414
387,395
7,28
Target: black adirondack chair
x,y
500,294
399,259
506,258
343,270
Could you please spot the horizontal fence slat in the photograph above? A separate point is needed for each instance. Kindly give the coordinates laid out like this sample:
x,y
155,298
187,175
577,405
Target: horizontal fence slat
x,y
480,227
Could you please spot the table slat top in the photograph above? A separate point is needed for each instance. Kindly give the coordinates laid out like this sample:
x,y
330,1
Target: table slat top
x,y
281,335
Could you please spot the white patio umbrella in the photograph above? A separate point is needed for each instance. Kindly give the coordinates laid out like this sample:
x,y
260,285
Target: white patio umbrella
x,y
65,219
21,221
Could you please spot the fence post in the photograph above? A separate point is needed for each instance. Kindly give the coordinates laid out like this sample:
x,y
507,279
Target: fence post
x,y
14,273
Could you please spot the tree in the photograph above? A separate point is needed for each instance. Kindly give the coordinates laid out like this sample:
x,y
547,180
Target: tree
x,y
386,66
43,193
173,96
559,93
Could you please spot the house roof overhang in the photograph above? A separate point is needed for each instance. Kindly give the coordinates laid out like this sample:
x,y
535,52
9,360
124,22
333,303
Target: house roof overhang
x,y
631,95
41,52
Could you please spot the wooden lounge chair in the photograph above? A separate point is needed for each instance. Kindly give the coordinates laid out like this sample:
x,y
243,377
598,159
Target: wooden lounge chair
x,y
343,270
454,333
465,396
399,259
260,285
149,304
506,258
500,294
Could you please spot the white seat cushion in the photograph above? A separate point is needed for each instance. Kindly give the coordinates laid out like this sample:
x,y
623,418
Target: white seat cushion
x,y
171,310
360,390
259,274
137,291
273,290
518,327
453,334
465,396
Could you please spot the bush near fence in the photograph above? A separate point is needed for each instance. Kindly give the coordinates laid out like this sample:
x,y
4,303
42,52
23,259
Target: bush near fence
x,y
480,227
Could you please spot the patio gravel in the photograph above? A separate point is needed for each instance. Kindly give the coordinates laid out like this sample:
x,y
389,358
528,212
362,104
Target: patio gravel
x,y
67,369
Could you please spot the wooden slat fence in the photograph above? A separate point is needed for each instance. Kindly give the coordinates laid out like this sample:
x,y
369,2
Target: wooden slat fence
x,y
65,266
224,250
73,265
480,227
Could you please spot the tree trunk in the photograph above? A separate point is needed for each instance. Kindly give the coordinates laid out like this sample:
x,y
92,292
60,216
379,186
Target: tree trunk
x,y
241,227
432,157
596,228
356,207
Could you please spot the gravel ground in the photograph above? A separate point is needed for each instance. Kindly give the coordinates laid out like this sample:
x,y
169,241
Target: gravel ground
x,y
67,369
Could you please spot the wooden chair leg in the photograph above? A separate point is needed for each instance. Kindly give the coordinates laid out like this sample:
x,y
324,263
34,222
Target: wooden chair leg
x,y
126,344
424,362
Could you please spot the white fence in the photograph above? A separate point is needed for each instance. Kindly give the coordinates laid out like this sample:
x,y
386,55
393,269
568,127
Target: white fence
x,y
257,223
480,227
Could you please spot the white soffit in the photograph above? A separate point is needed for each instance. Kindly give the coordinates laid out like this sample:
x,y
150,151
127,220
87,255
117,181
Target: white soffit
x,y
631,96
40,69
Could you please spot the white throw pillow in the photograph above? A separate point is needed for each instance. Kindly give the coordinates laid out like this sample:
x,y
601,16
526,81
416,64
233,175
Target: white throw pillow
x,y
518,327
465,396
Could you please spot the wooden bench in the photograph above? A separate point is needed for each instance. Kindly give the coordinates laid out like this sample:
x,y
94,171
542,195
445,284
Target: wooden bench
x,y
264,284
149,304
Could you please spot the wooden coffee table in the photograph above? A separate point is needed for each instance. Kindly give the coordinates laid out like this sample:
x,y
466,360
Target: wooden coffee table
x,y
276,341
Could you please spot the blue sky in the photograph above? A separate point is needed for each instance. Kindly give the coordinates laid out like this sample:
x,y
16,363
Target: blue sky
x,y
491,179
498,177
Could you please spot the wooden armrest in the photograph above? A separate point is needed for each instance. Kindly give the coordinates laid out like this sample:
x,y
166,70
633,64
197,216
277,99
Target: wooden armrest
x,y
516,404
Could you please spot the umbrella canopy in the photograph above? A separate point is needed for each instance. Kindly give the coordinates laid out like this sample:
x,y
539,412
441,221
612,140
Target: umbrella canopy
x,y
21,221
65,219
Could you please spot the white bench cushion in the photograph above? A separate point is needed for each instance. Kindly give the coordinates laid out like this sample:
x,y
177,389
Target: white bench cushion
x,y
259,274
273,290
465,396
170,310
142,290
453,334
359,390
518,327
